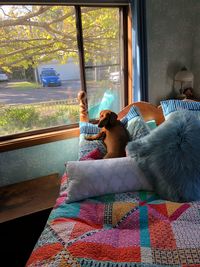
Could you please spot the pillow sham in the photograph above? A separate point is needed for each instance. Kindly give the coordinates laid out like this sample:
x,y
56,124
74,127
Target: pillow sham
x,y
89,147
135,124
170,155
95,178
170,106
133,121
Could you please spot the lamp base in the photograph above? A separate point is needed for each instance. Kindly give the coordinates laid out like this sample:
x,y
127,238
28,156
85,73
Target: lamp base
x,y
181,96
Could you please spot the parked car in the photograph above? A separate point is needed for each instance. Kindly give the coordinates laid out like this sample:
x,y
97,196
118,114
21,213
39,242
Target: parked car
x,y
3,76
114,77
49,77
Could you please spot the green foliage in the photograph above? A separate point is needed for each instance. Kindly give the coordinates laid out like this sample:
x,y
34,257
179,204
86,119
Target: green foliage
x,y
31,35
16,120
12,119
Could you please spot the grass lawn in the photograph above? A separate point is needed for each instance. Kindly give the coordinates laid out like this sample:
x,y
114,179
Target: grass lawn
x,y
23,85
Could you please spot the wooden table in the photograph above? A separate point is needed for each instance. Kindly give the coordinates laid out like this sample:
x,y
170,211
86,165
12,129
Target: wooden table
x,y
28,197
24,210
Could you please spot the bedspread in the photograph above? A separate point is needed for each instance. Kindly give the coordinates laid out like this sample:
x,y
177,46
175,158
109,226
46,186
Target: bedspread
x,y
128,229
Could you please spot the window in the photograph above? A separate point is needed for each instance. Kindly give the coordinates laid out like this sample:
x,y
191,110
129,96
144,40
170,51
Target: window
x,y
102,50
50,52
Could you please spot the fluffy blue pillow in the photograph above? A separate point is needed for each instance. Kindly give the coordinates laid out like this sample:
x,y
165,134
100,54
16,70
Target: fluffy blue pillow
x,y
133,121
170,106
170,157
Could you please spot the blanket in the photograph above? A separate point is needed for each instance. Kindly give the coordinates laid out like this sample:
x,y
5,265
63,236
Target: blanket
x,y
126,229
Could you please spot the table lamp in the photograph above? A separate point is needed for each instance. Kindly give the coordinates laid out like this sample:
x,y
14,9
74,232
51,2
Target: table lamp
x,y
185,78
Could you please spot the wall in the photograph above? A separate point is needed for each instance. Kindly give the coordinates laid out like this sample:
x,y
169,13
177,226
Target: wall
x,y
196,49
173,42
27,163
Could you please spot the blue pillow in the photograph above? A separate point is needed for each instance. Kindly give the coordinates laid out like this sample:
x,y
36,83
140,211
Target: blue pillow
x,y
170,106
133,121
170,157
85,146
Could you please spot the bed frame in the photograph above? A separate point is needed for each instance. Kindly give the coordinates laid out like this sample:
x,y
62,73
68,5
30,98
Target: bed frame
x,y
148,111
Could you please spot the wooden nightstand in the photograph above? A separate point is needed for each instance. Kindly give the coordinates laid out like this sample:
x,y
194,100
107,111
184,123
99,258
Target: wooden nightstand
x,y
24,210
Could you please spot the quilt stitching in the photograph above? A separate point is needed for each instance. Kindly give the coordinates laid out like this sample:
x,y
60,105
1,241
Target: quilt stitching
x,y
153,233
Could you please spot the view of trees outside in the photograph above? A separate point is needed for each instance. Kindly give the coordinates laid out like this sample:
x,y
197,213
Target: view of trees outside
x,y
102,54
32,37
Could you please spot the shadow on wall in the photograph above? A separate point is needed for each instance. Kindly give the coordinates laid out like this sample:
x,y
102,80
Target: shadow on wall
x,y
174,87
32,162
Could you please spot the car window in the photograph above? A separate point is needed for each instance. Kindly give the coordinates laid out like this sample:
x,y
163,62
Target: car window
x,y
48,73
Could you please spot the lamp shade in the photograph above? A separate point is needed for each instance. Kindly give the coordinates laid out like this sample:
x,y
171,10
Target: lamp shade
x,y
184,75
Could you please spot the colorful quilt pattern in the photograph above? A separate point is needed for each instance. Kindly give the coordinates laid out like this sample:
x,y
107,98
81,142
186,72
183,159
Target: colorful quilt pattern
x,y
133,229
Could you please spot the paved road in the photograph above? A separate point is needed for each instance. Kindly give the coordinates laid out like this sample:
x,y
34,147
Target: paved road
x,y
68,90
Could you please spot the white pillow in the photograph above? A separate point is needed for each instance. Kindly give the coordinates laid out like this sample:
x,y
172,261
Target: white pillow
x,y
98,177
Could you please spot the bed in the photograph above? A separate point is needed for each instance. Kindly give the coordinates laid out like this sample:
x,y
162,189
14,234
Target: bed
x,y
124,229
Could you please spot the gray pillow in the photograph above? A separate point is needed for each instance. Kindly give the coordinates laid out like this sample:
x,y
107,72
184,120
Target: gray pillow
x,y
99,177
170,157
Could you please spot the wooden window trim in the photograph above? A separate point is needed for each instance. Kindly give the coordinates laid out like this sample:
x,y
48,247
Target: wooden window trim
x,y
38,139
124,35
130,57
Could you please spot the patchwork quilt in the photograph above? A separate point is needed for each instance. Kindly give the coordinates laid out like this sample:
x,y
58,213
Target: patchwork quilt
x,y
120,230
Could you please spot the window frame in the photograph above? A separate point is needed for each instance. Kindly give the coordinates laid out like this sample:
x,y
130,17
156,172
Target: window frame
x,y
52,134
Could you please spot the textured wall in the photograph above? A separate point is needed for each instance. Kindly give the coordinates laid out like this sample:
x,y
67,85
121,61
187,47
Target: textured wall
x,y
196,49
27,163
173,42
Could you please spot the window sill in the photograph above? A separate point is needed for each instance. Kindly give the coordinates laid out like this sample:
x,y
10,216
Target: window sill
x,y
38,139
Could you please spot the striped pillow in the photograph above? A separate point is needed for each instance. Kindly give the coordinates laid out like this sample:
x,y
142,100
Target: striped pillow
x,y
133,121
170,106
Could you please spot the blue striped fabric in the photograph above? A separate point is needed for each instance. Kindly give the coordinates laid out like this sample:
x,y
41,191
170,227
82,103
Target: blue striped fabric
x,y
88,128
133,112
170,106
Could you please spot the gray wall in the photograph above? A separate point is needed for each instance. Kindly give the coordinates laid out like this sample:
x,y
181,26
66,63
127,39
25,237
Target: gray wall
x,y
27,163
196,49
173,41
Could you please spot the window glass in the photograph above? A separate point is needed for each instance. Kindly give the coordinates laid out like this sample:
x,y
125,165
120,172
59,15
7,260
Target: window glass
x,y
102,50
39,65
39,70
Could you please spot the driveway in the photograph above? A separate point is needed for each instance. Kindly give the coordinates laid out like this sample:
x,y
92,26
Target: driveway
x,y
68,90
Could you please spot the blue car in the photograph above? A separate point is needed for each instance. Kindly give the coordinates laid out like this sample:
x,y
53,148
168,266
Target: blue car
x,y
49,77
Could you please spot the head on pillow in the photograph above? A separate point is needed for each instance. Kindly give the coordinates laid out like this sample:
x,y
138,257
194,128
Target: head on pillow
x,y
170,157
